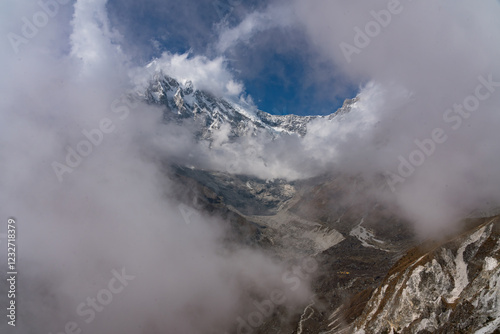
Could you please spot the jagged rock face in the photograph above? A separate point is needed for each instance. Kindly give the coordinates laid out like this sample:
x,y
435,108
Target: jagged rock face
x,y
453,288
182,101
245,194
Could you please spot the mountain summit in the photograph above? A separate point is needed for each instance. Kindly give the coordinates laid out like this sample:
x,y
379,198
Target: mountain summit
x,y
182,101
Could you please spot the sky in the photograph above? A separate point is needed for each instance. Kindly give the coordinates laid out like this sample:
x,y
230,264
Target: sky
x,y
274,60
82,164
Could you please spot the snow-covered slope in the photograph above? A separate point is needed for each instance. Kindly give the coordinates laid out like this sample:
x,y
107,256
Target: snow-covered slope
x,y
183,101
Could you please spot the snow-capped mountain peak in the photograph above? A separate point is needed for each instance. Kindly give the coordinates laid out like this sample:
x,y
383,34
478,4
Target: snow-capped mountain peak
x,y
183,101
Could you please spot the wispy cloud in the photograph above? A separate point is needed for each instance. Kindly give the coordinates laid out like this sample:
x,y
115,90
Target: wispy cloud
x,y
274,16
205,74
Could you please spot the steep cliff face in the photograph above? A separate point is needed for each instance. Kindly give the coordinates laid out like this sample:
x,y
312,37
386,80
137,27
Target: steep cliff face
x,y
448,288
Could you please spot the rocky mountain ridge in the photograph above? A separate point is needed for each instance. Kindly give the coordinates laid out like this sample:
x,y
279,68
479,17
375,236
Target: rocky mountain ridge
x,y
182,101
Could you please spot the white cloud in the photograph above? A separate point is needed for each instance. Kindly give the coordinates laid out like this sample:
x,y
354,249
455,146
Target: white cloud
x,y
274,16
93,41
206,74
